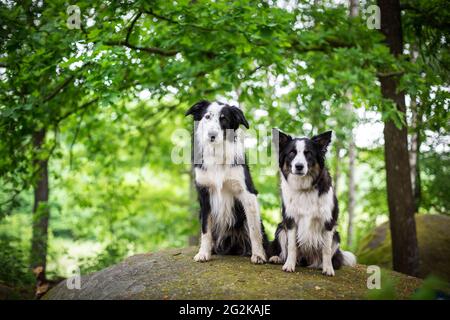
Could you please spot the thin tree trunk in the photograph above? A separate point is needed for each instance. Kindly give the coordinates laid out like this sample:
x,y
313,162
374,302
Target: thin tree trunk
x,y
351,190
41,212
417,180
405,251
354,11
414,153
337,169
354,8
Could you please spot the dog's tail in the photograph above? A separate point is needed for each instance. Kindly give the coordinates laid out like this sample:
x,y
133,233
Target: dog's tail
x,y
349,258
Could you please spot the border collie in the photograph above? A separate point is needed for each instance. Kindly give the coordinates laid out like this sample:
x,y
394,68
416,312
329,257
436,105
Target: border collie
x,y
229,210
307,234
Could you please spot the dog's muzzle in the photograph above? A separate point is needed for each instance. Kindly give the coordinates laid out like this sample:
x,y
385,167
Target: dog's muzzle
x,y
212,135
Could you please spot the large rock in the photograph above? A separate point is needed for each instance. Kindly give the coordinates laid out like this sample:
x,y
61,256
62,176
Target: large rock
x,y
172,274
433,236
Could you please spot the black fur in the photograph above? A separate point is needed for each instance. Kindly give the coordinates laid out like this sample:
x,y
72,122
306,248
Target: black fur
x,y
329,225
205,206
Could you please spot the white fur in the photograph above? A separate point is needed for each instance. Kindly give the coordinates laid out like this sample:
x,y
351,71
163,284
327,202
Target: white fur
x,y
210,123
309,211
223,182
300,157
291,260
349,258
206,244
327,253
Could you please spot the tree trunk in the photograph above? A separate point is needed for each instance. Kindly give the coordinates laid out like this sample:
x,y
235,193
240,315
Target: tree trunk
x,y
337,169
41,212
414,153
351,190
354,8
354,11
405,251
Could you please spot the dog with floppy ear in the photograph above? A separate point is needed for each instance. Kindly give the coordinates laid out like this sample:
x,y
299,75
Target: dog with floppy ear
x,y
229,210
307,234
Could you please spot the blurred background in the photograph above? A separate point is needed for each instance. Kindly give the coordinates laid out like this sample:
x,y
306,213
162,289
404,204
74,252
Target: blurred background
x,y
91,95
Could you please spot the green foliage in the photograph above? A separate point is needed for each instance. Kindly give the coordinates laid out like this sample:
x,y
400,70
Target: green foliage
x,y
435,176
111,254
111,95
432,288
14,261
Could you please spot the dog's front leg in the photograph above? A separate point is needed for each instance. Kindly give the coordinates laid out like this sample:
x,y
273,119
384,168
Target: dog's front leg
x,y
291,260
251,208
206,242
327,254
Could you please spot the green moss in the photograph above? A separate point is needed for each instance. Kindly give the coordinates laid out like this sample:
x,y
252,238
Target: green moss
x,y
433,236
172,274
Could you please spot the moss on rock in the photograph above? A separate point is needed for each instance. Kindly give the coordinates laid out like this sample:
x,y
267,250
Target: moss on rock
x,y
172,274
433,236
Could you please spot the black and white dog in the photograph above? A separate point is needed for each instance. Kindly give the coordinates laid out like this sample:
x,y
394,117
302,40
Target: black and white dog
x,y
229,210
307,234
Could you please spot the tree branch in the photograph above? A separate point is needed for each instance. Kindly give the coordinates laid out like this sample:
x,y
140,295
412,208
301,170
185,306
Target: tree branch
x,y
126,42
152,50
83,106
130,28
64,84
75,137
330,43
53,94
390,74
160,17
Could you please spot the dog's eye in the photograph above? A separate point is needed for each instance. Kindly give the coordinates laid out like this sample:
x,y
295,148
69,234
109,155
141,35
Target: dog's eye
x,y
292,154
222,116
307,153
208,116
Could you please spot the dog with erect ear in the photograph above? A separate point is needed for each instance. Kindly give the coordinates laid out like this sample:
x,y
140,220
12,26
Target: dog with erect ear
x,y
229,210
307,235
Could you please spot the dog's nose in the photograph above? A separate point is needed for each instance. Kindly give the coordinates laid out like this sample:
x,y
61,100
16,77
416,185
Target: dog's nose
x,y
212,135
299,167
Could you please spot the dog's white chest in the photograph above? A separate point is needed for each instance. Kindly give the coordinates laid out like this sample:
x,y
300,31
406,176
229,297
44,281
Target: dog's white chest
x,y
302,204
221,178
310,212
223,183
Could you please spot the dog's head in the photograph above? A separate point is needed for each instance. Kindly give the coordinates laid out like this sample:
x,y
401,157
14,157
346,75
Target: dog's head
x,y
216,121
301,156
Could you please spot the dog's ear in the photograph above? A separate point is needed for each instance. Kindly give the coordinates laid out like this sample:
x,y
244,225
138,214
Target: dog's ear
x,y
239,116
280,139
197,108
322,141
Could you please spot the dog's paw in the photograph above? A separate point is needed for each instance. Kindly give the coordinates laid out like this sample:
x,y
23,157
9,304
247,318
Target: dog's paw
x,y
202,257
258,258
328,271
275,260
289,266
